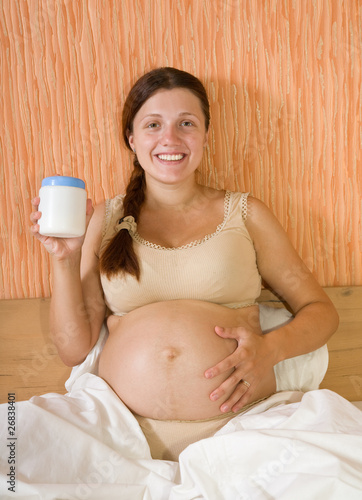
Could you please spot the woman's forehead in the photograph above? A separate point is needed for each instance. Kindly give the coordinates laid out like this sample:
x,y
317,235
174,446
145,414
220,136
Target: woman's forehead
x,y
178,100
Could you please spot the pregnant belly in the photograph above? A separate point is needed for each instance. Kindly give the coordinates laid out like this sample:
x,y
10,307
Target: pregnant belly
x,y
156,356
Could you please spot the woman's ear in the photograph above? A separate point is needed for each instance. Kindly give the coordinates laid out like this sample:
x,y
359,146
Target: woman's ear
x,y
130,141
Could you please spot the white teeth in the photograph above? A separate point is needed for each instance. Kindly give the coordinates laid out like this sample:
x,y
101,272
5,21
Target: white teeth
x,y
170,157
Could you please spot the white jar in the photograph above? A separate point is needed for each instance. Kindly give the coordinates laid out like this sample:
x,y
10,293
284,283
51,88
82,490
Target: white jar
x,y
63,203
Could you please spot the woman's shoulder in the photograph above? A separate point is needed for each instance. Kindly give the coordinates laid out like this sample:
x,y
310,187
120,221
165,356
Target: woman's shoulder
x,y
252,210
115,203
241,203
258,210
261,223
110,208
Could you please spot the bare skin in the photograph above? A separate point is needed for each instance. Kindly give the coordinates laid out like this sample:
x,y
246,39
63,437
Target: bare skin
x,y
156,356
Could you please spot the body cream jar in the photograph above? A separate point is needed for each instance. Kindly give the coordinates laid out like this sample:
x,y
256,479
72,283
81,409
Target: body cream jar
x,y
63,202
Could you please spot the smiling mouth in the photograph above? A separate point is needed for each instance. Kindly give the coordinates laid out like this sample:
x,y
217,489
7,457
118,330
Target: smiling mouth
x,y
167,157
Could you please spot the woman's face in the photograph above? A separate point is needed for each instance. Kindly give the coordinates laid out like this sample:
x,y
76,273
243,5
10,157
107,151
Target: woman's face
x,y
169,135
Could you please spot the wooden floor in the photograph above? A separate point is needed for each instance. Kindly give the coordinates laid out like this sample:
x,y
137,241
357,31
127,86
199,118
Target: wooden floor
x,y
29,364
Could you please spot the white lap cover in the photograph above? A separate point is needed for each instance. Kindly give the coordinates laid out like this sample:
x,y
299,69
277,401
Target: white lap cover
x,y
87,445
309,449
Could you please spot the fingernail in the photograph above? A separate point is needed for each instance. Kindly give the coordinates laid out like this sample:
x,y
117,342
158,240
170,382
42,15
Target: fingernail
x,y
214,397
208,374
224,408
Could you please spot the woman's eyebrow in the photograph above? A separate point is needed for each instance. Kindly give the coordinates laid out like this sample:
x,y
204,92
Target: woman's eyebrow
x,y
188,113
159,115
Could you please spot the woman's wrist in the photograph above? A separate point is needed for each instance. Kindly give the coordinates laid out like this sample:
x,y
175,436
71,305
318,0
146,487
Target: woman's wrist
x,y
276,342
71,261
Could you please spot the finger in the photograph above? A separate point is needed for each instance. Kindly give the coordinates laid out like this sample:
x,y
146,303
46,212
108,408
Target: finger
x,y
221,331
35,216
240,357
45,240
89,209
225,365
235,332
89,212
35,202
228,333
34,228
227,387
237,400
243,401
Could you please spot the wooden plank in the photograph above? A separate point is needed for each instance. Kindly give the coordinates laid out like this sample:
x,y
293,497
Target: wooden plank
x,y
30,365
344,374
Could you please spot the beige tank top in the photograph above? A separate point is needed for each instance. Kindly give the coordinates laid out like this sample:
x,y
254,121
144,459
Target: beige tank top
x,y
220,268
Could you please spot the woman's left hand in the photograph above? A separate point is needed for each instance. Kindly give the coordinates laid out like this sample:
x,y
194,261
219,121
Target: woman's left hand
x,y
252,361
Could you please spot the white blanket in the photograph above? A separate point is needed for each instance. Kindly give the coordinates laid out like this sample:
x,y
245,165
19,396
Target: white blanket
x,y
87,445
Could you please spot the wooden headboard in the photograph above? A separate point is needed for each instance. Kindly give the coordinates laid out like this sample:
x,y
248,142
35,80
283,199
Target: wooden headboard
x,y
30,366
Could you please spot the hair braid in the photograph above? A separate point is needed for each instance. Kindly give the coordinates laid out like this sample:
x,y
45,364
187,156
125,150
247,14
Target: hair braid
x,y
119,255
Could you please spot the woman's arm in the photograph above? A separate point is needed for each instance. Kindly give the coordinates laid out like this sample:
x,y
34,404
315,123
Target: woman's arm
x,y
77,305
315,318
280,266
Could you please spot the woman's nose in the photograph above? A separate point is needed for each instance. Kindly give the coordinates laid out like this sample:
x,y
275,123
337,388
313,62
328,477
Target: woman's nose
x,y
170,135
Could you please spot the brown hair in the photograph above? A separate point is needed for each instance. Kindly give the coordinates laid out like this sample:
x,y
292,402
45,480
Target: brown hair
x,y
119,255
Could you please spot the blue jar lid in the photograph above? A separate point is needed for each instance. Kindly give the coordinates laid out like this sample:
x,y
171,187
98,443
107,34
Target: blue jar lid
x,y
61,180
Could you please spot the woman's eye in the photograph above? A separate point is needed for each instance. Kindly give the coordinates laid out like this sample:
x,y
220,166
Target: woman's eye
x,y
187,124
152,125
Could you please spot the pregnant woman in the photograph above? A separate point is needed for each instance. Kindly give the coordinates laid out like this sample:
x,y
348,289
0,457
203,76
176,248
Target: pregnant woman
x,y
175,268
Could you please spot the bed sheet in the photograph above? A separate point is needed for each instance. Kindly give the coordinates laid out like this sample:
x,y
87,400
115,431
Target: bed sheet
x,y
87,445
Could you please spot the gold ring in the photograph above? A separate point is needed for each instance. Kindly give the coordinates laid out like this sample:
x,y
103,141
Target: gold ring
x,y
245,383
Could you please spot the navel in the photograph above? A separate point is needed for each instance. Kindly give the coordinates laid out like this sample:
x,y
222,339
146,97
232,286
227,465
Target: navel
x,y
170,353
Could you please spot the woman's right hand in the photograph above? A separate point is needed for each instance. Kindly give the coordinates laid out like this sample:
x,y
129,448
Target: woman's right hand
x,y
60,248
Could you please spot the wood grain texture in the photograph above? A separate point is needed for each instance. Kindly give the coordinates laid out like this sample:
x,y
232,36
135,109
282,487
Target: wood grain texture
x,y
30,365
284,80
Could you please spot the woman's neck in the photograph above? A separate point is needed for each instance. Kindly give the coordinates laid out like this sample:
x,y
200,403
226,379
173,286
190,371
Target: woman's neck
x,y
171,196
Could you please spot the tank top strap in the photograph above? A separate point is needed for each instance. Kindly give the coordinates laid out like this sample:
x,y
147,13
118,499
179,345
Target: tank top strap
x,y
244,205
113,212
